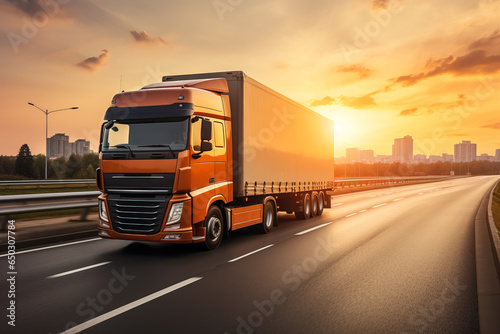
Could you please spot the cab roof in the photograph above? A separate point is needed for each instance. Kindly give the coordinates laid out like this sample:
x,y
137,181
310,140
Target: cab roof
x,y
218,85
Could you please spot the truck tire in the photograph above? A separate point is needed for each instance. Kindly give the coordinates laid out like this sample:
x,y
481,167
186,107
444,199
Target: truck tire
x,y
214,228
268,217
306,208
314,205
321,203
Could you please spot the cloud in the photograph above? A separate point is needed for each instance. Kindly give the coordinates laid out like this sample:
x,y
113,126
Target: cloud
x,y
359,69
362,102
144,37
484,43
327,100
94,63
495,126
475,62
29,7
38,8
409,112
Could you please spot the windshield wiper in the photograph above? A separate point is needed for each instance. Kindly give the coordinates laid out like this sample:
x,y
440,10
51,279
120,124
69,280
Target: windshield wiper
x,y
126,146
160,145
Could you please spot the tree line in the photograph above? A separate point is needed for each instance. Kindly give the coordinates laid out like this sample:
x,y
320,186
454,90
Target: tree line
x,y
27,166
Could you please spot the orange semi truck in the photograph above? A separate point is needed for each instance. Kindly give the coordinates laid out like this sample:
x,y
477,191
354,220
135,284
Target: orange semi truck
x,y
196,156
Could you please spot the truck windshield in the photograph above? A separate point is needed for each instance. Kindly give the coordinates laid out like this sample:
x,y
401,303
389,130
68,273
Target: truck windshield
x,y
146,135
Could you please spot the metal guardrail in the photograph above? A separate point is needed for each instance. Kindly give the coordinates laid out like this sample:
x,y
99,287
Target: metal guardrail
x,y
38,183
17,204
384,181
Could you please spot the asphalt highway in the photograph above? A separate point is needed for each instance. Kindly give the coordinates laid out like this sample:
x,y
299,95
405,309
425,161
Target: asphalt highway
x,y
394,260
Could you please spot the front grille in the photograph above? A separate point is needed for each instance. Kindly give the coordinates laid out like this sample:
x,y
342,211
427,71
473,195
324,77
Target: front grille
x,y
137,214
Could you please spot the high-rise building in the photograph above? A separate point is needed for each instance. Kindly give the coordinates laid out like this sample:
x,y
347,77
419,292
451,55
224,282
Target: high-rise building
x,y
81,147
402,150
497,155
465,151
59,146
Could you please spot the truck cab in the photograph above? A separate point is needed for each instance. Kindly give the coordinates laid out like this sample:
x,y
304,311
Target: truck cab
x,y
165,158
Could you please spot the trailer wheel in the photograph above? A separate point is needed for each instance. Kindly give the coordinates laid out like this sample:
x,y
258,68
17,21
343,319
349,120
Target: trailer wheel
x,y
306,208
214,227
314,205
268,217
321,203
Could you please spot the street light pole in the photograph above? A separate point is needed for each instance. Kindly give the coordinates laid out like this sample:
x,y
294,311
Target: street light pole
x,y
47,112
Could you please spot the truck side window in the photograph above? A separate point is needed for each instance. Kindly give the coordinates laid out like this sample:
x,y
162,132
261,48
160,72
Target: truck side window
x,y
219,134
196,136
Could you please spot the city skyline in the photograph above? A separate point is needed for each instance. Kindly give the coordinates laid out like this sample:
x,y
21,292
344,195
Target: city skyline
x,y
465,151
441,88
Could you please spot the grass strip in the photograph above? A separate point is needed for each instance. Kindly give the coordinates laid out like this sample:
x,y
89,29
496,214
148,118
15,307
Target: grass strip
x,y
495,207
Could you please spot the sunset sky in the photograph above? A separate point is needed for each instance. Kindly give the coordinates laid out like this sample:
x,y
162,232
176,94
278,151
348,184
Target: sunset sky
x,y
380,69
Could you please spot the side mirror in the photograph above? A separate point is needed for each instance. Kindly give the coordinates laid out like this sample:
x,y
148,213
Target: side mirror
x,y
206,130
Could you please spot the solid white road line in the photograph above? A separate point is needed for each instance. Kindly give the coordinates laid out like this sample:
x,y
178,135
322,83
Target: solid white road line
x,y
337,204
55,246
312,229
362,211
377,206
397,199
352,214
420,193
80,269
248,254
130,306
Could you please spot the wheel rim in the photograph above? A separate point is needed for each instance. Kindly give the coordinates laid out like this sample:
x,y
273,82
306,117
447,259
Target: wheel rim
x,y
214,228
315,204
320,202
269,217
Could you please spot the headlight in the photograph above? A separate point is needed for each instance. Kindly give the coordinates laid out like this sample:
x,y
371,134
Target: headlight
x,y
102,211
175,213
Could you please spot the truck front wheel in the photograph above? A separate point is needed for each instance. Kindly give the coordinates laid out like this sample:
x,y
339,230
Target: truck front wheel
x,y
306,208
214,227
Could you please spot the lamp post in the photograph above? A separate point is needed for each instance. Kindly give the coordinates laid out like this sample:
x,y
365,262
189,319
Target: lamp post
x,y
47,112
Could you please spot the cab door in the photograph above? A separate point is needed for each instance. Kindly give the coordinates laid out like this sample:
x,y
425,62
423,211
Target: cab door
x,y
202,168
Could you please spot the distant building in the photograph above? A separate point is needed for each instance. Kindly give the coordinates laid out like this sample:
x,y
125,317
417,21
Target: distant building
x,y
59,146
384,159
418,158
447,157
435,158
81,147
497,155
402,150
366,156
485,157
465,151
352,154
